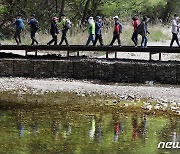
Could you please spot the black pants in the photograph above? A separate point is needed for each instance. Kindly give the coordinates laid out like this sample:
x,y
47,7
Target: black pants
x,y
98,37
116,37
54,39
33,33
135,38
174,38
17,36
64,37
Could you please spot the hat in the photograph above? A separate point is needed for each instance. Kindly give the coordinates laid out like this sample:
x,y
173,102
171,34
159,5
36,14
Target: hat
x,y
98,17
33,15
145,18
91,18
55,18
63,15
116,17
19,15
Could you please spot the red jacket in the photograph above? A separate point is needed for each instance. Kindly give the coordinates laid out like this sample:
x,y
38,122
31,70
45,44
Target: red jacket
x,y
135,25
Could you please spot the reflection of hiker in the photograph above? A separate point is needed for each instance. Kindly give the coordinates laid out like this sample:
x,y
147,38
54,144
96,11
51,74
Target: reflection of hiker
x,y
54,31
143,31
98,34
135,127
91,30
19,27
98,128
64,26
117,127
117,31
142,127
175,31
135,33
33,23
92,128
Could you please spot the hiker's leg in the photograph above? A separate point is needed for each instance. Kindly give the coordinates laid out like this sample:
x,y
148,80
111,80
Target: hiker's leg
x,y
65,37
173,39
50,42
89,40
96,38
145,41
119,41
101,40
15,37
113,40
177,40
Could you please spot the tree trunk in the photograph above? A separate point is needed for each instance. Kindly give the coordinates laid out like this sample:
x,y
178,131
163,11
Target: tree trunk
x,y
62,8
85,11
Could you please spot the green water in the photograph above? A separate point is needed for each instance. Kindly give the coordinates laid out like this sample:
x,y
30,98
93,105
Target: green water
x,y
54,130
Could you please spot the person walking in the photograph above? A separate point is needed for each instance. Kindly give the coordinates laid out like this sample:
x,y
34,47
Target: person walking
x,y
64,26
91,30
19,27
143,31
175,31
54,31
33,23
135,33
117,31
98,32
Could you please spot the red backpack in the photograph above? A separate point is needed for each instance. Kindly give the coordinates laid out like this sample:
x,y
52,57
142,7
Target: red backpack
x,y
117,29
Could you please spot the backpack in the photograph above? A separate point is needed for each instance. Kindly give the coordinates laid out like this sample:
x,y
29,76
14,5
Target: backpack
x,y
67,24
140,28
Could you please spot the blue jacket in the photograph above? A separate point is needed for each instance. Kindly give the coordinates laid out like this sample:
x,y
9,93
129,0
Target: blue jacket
x,y
33,24
98,27
19,24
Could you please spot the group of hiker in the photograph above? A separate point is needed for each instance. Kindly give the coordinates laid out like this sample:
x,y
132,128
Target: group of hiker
x,y
94,29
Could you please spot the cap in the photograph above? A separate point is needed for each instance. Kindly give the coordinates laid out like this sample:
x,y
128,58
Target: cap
x,y
19,15
98,17
63,14
90,17
55,18
33,15
116,17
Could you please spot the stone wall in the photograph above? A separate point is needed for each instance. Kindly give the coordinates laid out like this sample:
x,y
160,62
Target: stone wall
x,y
112,71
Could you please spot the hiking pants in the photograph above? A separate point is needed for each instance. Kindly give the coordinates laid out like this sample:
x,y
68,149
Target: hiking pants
x,y
144,41
98,37
90,38
33,33
54,39
174,38
135,38
116,37
64,37
17,36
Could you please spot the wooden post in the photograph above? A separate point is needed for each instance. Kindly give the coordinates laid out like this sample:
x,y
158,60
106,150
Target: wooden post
x,y
107,55
67,54
159,56
36,53
150,56
115,54
77,53
26,53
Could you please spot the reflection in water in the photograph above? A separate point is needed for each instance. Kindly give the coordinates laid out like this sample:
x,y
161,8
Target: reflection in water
x,y
59,131
139,131
117,127
20,124
92,128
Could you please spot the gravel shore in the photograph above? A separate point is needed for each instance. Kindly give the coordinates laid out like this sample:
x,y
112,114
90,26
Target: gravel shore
x,y
148,90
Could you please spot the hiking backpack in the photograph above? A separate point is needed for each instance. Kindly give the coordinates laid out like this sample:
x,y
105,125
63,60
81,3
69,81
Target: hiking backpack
x,y
67,24
140,28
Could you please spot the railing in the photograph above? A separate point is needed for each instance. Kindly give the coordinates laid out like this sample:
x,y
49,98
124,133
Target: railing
x,y
77,48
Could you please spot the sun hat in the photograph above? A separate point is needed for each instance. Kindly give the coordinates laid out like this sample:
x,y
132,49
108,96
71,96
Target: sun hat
x,y
115,17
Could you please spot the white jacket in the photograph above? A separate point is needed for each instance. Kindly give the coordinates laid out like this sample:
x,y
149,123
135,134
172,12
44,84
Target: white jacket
x,y
175,28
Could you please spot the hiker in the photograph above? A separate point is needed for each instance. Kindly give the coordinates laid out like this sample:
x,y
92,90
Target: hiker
x,y
98,34
33,23
143,31
54,31
91,30
117,31
175,31
19,27
64,26
135,33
